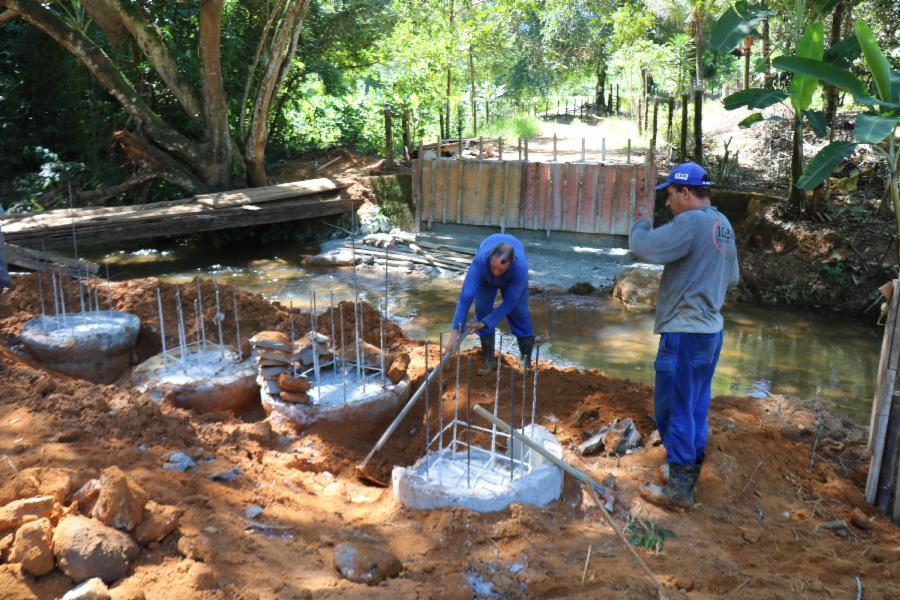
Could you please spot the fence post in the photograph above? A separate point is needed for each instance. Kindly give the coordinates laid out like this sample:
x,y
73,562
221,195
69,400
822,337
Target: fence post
x,y
582,150
388,139
554,147
628,154
682,149
655,115
499,148
526,149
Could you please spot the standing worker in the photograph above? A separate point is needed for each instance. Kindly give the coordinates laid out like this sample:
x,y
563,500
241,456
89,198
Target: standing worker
x,y
499,264
698,250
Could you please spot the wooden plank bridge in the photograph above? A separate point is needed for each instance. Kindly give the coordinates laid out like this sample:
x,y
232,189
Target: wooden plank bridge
x,y
293,201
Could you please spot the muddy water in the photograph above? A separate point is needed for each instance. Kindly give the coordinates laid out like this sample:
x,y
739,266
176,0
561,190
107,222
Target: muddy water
x,y
766,350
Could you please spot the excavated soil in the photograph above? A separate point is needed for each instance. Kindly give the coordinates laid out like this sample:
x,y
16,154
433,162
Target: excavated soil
x,y
778,478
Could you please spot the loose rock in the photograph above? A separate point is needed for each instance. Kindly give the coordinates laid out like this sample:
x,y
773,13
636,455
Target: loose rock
x,y
202,577
398,368
159,521
365,563
195,547
637,287
13,585
452,587
121,501
17,512
32,547
859,519
85,548
87,495
92,589
39,481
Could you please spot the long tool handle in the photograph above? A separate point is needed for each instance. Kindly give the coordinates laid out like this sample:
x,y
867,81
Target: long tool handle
x,y
409,404
591,486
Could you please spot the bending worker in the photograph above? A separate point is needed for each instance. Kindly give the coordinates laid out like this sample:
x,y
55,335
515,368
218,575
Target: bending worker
x,y
499,264
698,250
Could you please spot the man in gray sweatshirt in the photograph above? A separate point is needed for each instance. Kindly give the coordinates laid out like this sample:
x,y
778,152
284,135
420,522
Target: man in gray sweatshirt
x,y
698,250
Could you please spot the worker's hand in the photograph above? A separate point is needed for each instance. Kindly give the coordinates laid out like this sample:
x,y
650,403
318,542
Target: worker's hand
x,y
475,326
453,342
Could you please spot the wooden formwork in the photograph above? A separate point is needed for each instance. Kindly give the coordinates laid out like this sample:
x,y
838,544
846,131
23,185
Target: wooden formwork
x,y
580,197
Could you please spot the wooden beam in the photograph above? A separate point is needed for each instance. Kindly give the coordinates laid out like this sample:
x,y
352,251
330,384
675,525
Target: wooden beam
x,y
271,193
41,261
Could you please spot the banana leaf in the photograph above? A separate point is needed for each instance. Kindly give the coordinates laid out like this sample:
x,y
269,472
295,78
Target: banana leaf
x,y
823,164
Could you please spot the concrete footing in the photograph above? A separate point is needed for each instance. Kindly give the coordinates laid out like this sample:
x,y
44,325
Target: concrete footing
x,y
480,481
338,399
205,381
95,346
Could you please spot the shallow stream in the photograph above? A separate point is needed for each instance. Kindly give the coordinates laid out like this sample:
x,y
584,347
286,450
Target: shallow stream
x,y
767,350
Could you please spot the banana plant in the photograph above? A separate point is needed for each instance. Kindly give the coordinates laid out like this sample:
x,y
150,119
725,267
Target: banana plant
x,y
877,127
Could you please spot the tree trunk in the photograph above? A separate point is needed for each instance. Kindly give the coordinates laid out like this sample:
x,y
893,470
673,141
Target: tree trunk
x,y
407,134
698,18
748,45
682,147
215,105
831,93
671,103
472,93
655,123
284,43
766,56
698,126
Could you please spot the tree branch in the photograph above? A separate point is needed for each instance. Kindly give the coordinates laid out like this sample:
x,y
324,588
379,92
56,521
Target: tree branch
x,y
102,193
8,15
263,40
149,40
110,77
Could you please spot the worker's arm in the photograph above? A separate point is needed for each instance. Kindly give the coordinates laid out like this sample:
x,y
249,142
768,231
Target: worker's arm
x,y
467,295
735,272
511,295
664,244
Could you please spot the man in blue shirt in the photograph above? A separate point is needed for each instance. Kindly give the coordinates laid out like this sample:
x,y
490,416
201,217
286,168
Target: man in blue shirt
x,y
698,250
499,264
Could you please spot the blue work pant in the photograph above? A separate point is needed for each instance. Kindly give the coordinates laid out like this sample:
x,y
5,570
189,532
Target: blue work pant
x,y
519,318
684,366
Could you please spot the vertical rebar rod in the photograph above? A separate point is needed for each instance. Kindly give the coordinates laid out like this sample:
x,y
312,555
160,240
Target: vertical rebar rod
x,y
512,421
343,351
496,395
75,248
456,399
537,357
355,286
333,341
313,333
162,326
362,345
427,402
384,315
468,422
62,298
97,295
441,396
356,329
524,394
219,318
180,313
291,351
55,300
108,289
40,275
237,324
202,332
197,326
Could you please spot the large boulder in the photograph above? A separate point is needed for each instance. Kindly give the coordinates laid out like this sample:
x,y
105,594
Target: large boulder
x,y
18,512
636,287
365,563
32,547
121,501
85,548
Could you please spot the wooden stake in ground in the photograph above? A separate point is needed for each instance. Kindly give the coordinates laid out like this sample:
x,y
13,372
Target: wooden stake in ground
x,y
589,484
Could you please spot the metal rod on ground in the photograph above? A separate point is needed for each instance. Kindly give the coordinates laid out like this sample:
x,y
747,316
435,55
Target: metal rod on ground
x,y
200,313
237,324
593,489
497,394
468,422
108,288
512,419
441,396
361,467
162,326
537,357
456,398
181,332
427,402
219,317
75,248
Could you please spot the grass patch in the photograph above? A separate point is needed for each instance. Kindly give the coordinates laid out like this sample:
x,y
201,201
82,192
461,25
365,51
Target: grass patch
x,y
513,128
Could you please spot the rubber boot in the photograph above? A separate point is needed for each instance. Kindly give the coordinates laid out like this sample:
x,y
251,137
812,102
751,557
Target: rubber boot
x,y
678,492
664,469
487,351
526,345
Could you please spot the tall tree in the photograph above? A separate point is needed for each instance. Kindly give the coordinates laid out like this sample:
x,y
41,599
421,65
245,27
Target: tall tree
x,y
198,150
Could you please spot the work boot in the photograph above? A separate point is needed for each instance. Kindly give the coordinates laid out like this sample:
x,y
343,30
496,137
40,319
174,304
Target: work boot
x,y
487,351
678,492
526,345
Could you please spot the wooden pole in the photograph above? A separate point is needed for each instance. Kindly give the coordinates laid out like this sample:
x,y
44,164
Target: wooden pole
x,y
628,155
499,148
388,139
583,152
526,149
682,147
884,391
554,147
639,116
671,102
655,122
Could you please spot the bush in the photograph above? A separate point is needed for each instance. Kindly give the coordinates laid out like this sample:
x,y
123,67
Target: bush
x,y
513,128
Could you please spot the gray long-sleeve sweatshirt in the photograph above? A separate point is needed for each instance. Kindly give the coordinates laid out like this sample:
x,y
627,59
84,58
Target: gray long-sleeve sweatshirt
x,y
698,250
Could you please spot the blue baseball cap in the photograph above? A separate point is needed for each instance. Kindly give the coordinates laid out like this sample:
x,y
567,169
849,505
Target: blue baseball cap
x,y
689,173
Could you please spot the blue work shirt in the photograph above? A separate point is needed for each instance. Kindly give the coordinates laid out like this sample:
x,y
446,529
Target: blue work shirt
x,y
512,283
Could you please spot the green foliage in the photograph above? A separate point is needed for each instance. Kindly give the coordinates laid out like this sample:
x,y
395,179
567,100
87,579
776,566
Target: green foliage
x,y
514,127
810,46
824,163
736,23
648,534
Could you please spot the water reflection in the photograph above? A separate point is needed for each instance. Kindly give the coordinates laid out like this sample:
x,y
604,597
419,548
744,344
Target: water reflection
x,y
765,350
